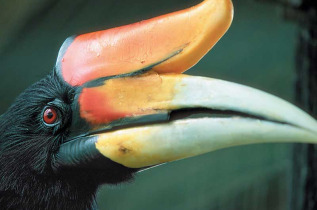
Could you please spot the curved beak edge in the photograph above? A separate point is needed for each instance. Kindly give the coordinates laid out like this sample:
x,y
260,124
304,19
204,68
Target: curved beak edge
x,y
248,116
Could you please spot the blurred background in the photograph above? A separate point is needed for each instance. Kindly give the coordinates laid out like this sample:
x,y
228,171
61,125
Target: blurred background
x,y
259,50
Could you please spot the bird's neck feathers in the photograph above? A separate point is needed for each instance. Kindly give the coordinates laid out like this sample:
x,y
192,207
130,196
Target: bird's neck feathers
x,y
26,180
34,192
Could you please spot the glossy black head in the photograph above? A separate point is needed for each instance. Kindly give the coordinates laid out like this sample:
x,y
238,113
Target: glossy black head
x,y
31,132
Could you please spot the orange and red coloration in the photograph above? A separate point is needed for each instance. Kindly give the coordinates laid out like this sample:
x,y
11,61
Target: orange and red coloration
x,y
169,43
96,108
118,98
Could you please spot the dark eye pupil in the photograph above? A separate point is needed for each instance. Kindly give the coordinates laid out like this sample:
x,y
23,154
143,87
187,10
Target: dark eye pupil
x,y
50,115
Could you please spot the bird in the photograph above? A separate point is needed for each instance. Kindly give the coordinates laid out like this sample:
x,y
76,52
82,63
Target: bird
x,y
116,103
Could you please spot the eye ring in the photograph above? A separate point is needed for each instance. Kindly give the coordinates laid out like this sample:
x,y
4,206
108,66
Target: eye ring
x,y
50,115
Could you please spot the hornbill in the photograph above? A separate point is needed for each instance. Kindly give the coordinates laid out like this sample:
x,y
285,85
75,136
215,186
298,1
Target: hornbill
x,y
116,103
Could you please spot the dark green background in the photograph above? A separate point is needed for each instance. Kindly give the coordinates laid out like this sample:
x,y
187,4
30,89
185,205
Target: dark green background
x,y
258,51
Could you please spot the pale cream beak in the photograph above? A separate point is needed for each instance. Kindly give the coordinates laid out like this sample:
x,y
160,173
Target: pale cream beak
x,y
247,116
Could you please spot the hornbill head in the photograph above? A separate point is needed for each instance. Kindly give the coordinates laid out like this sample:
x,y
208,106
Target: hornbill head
x,y
116,103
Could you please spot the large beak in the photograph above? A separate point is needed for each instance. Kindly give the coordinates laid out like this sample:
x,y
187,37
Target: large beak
x,y
139,118
155,118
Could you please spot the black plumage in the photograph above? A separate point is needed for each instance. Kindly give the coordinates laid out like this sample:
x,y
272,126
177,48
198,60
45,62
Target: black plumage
x,y
27,149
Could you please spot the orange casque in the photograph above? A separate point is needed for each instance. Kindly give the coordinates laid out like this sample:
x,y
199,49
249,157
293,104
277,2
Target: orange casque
x,y
170,43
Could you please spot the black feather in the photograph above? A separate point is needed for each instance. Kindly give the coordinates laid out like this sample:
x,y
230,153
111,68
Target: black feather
x,y
26,149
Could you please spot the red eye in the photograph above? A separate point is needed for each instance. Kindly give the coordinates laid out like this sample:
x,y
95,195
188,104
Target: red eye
x,y
50,115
